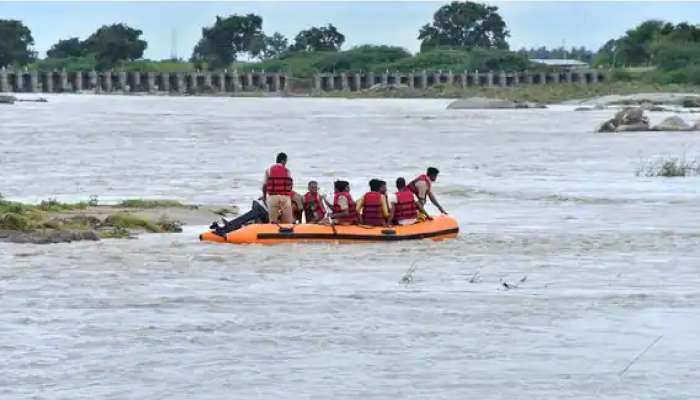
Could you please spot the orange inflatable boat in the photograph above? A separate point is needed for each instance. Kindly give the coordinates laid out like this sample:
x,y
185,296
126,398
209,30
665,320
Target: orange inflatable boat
x,y
440,228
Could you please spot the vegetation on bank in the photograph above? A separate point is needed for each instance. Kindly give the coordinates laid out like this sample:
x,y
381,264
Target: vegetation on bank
x,y
142,203
53,216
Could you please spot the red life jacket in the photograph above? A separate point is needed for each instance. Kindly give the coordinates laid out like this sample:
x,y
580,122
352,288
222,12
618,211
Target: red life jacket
x,y
348,219
412,186
405,207
372,213
279,181
312,207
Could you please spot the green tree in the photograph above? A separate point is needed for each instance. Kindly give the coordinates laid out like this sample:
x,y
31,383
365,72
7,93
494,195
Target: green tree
x,y
15,43
465,25
325,38
72,47
635,47
229,37
275,45
114,43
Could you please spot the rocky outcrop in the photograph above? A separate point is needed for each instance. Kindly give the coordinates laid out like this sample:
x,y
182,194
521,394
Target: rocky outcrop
x,y
7,99
482,103
672,124
595,107
47,236
691,102
626,120
638,99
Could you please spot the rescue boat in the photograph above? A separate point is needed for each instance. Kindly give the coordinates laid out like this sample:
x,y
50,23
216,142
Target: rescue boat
x,y
439,228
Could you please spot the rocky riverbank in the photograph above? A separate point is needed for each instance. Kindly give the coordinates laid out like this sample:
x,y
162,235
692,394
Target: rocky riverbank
x,y
54,222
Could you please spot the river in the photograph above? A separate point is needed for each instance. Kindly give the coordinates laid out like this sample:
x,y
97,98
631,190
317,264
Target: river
x,y
600,264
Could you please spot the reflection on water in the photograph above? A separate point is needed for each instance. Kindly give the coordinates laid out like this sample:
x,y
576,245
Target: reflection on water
x,y
610,259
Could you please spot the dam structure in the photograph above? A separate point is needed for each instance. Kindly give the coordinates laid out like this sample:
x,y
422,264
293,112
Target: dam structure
x,y
233,82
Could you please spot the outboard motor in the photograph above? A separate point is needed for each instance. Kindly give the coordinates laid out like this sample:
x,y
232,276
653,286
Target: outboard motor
x,y
257,214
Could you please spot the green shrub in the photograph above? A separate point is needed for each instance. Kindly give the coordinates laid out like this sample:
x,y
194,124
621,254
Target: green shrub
x,y
669,168
361,58
71,64
129,221
461,60
14,222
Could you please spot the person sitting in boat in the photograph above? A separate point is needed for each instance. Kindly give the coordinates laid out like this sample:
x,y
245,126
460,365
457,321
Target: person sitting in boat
x,y
344,212
258,214
422,187
404,207
297,207
277,190
314,210
373,207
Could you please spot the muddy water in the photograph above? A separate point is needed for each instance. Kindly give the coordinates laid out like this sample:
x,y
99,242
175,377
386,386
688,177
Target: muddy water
x,y
608,261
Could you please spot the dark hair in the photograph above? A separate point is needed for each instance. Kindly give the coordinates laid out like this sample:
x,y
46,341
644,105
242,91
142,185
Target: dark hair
x,y
376,184
281,158
341,186
400,183
432,171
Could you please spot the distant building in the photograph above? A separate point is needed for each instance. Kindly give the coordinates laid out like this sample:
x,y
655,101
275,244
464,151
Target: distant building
x,y
560,63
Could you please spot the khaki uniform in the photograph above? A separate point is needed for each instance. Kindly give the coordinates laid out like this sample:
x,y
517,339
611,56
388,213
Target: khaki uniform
x,y
279,207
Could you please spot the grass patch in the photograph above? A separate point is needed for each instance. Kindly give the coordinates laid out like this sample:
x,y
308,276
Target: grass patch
x,y
128,221
669,168
52,205
114,233
14,222
141,203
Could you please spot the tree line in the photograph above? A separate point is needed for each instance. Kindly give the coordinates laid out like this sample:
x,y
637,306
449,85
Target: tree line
x,y
459,30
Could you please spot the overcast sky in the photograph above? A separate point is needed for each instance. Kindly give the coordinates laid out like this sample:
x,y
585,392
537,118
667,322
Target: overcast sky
x,y
531,24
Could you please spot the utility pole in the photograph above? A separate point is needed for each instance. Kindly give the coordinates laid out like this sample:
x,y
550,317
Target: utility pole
x,y
173,44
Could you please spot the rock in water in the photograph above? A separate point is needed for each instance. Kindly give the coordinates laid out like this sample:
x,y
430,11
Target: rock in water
x,y
690,102
674,124
607,126
635,127
7,99
626,120
482,103
628,116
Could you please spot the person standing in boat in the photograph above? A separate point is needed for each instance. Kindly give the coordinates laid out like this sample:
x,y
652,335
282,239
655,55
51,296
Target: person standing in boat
x,y
373,207
344,212
422,187
404,207
277,189
314,210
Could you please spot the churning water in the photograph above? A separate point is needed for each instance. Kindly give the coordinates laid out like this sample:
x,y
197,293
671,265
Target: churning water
x,y
600,263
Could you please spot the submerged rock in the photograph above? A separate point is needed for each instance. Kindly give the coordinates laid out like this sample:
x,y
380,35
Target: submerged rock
x,y
690,102
7,99
672,124
39,100
635,127
482,103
